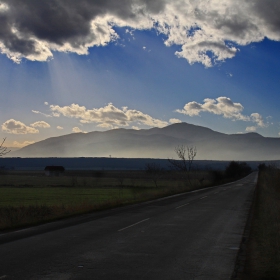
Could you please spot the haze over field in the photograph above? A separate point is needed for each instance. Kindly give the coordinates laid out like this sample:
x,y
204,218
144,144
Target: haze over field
x,y
156,143
82,66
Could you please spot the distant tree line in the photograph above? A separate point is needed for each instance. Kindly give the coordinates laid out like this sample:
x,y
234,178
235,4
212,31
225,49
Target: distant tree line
x,y
234,170
269,167
237,169
184,164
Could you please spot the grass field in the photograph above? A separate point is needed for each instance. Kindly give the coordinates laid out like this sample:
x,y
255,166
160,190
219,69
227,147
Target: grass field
x,y
28,198
95,179
17,196
263,257
27,206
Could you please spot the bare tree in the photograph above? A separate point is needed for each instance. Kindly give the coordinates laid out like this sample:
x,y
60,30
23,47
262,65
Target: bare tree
x,y
186,155
3,150
155,171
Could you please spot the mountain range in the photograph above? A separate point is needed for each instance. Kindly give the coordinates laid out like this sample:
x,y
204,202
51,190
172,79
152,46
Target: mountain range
x,y
156,143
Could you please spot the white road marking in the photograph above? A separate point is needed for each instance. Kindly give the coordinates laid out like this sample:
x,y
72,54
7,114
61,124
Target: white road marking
x,y
134,224
234,248
203,197
182,205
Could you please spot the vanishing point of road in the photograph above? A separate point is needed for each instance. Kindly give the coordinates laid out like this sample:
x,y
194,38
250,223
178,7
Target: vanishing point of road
x,y
190,236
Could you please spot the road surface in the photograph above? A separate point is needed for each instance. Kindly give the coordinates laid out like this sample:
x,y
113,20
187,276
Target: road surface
x,y
190,236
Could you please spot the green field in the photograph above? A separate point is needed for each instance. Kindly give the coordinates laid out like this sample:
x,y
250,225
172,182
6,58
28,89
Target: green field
x,y
50,196
97,179
32,197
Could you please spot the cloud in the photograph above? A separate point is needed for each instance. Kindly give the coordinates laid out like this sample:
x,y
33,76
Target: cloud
x,y
206,31
258,119
108,116
174,121
77,130
106,125
59,127
46,103
135,127
23,144
222,106
219,106
38,112
251,128
17,127
41,124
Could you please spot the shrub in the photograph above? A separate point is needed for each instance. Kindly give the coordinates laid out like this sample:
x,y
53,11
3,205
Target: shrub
x,y
237,169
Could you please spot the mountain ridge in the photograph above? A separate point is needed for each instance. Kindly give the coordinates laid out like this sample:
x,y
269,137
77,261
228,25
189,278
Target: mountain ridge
x,y
156,143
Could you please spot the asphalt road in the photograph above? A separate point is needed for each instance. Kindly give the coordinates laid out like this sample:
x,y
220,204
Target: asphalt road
x,y
191,236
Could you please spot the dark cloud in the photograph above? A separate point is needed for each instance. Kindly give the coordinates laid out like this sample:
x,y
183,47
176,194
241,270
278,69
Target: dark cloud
x,y
62,22
268,11
33,28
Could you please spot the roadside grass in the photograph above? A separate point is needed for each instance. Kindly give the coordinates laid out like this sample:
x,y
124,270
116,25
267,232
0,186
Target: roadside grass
x,y
30,198
263,253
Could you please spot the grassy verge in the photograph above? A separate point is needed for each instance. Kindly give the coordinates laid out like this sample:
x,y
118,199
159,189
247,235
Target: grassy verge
x,y
263,257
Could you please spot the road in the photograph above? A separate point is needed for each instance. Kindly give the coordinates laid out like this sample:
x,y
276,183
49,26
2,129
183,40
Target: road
x,y
190,236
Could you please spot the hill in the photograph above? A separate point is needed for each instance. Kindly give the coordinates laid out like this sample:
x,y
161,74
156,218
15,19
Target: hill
x,y
156,143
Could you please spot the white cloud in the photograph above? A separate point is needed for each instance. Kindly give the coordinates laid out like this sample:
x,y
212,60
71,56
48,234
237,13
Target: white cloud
x,y
77,130
56,115
59,127
206,31
174,121
129,31
251,128
17,127
46,103
108,116
38,112
225,107
4,7
258,119
106,125
219,106
41,124
135,127
23,144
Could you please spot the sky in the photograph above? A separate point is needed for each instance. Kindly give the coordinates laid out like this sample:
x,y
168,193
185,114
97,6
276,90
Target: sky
x,y
72,66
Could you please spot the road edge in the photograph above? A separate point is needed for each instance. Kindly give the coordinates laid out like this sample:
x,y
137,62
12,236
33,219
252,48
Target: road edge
x,y
241,257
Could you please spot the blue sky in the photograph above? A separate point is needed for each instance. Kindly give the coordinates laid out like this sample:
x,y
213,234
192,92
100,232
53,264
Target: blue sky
x,y
152,69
